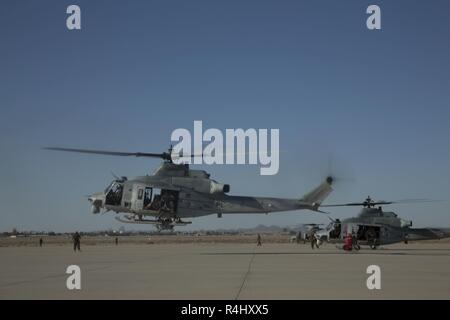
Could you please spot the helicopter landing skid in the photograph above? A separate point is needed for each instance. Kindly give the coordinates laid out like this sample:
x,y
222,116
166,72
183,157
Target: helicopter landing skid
x,y
160,223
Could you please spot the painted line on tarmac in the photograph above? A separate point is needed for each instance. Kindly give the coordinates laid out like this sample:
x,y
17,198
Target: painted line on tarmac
x,y
247,273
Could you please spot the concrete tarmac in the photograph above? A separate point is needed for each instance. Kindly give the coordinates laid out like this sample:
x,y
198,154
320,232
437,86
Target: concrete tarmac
x,y
225,271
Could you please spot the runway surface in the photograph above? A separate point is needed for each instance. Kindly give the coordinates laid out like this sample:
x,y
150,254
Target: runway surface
x,y
225,271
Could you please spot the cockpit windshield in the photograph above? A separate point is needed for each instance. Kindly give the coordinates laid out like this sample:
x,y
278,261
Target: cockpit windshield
x,y
114,193
390,214
109,186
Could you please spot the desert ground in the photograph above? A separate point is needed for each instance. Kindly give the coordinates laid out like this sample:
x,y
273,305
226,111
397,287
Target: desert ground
x,y
219,267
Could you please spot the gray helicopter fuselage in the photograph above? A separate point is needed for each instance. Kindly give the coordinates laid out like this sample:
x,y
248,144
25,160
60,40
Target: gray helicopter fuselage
x,y
192,194
174,192
379,217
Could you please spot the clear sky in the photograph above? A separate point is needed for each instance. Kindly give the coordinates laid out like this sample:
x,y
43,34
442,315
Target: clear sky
x,y
377,101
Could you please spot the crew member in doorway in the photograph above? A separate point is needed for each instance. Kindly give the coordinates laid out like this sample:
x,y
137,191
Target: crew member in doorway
x,y
167,202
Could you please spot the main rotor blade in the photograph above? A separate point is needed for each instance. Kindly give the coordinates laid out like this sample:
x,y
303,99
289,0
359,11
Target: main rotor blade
x,y
164,155
415,200
216,154
344,204
379,203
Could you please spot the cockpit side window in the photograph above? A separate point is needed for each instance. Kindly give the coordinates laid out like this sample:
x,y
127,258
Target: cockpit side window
x,y
109,187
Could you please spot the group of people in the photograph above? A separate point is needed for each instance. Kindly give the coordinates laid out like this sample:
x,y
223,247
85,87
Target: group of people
x,y
349,242
76,239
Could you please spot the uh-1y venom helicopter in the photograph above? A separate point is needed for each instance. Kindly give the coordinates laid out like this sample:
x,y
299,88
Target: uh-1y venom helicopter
x,y
374,227
175,192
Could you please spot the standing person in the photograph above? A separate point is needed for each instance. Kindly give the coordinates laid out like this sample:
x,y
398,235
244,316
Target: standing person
x,y
258,239
348,242
312,238
76,241
41,242
117,241
355,244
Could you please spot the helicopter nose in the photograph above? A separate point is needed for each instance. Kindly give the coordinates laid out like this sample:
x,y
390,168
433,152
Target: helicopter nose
x,y
97,201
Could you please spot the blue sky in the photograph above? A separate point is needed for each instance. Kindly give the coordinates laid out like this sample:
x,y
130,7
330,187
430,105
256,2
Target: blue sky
x,y
377,101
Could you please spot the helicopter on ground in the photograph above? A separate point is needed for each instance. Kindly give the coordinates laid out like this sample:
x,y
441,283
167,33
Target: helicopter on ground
x,y
374,227
305,231
175,192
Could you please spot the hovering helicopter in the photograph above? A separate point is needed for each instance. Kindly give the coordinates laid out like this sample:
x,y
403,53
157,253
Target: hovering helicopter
x,y
175,192
374,227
